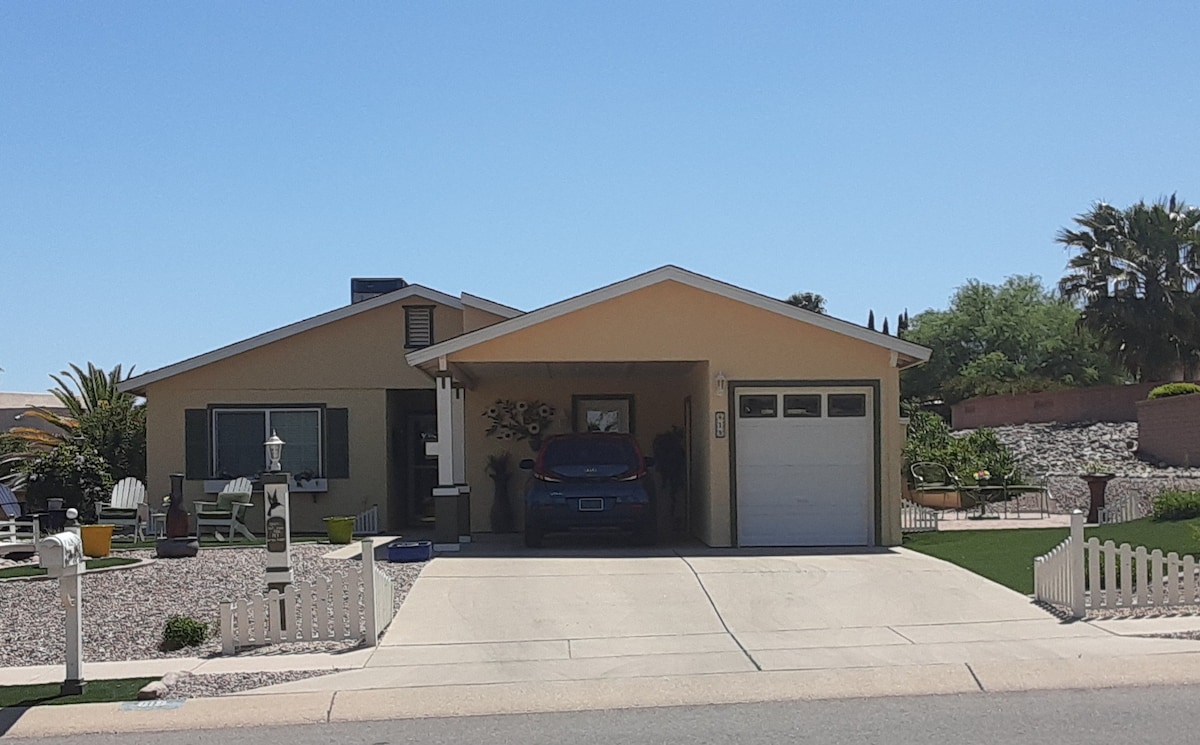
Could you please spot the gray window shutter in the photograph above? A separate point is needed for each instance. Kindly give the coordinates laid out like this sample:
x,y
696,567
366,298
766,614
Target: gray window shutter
x,y
337,443
195,443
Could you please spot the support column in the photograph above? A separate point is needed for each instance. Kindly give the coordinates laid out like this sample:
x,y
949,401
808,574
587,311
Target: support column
x,y
445,495
459,423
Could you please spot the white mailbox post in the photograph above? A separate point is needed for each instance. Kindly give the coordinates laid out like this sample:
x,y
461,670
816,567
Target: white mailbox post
x,y
61,555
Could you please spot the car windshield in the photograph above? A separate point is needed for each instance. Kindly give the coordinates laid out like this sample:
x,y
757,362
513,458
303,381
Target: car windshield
x,y
575,456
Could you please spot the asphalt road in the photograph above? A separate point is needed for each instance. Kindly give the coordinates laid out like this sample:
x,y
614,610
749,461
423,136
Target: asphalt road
x,y
1163,716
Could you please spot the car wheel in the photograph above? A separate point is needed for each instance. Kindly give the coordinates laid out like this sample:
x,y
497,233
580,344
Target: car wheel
x,y
534,537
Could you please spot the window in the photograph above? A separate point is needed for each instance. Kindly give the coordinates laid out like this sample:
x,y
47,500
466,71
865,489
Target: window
x,y
238,436
757,407
418,326
807,405
847,404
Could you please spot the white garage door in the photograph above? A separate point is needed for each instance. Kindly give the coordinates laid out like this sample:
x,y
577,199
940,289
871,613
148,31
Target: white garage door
x,y
805,466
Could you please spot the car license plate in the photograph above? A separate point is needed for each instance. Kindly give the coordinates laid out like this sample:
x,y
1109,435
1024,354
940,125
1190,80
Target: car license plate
x,y
591,504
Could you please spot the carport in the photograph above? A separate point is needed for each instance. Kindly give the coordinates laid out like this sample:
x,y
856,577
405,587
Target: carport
x,y
791,418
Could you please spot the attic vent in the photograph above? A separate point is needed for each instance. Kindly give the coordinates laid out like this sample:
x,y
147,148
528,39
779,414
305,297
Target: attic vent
x,y
418,326
364,289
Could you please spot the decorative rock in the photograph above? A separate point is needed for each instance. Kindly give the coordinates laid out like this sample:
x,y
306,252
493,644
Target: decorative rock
x,y
153,691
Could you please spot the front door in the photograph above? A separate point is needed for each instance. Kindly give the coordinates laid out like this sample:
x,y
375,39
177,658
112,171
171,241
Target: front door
x,y
422,471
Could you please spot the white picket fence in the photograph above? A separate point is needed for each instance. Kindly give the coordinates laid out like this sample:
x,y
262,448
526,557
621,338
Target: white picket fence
x,y
354,607
916,518
1080,574
1121,510
367,522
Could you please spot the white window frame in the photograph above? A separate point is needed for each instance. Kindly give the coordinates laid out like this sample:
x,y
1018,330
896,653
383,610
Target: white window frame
x,y
266,411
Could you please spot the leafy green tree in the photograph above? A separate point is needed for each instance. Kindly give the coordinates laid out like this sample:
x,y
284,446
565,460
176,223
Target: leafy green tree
x,y
1136,275
808,300
1015,337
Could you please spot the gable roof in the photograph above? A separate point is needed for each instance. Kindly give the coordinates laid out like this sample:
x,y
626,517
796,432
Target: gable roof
x,y
915,352
137,384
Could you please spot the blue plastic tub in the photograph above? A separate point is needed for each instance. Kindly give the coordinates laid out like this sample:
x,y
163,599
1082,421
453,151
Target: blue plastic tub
x,y
398,551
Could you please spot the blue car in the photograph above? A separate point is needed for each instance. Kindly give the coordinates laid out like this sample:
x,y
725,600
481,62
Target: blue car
x,y
589,481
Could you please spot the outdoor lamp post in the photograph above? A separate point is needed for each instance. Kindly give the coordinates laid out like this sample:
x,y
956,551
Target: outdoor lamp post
x,y
274,452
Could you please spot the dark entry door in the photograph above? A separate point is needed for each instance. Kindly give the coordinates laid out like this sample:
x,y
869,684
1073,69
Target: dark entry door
x,y
422,474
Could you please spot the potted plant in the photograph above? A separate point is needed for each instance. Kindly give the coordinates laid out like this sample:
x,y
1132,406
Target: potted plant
x,y
97,539
499,469
339,529
1097,475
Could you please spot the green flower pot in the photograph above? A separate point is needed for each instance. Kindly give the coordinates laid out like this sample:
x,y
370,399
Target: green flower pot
x,y
340,529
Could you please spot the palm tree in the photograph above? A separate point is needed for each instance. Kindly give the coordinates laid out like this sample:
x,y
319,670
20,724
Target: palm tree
x,y
1137,275
807,300
98,416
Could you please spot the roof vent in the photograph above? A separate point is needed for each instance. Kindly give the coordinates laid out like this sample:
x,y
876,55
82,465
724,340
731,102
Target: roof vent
x,y
366,288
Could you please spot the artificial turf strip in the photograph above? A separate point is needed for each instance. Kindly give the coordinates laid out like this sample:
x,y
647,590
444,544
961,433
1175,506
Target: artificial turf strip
x,y
98,691
27,571
1006,556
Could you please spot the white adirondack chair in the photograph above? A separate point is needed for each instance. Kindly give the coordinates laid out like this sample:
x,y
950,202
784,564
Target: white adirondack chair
x,y
13,527
123,508
228,512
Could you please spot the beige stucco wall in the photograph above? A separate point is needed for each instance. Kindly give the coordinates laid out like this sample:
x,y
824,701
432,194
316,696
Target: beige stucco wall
x,y
658,405
345,364
476,318
673,321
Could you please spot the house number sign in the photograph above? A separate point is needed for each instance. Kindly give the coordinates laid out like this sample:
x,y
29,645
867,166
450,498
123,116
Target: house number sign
x,y
719,423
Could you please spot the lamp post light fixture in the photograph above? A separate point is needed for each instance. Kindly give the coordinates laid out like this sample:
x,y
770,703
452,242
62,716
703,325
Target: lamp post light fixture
x,y
274,452
721,382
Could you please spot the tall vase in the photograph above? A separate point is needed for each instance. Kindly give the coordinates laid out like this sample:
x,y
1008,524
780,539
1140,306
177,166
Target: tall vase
x,y
502,517
177,516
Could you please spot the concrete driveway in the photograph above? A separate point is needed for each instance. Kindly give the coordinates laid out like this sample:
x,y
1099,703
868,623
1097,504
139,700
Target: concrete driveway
x,y
508,616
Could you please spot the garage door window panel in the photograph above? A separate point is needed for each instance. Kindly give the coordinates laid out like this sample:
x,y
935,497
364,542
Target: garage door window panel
x,y
802,406
758,406
847,405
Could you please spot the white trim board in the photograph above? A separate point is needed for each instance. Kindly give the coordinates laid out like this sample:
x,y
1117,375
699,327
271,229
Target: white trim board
x,y
138,384
663,274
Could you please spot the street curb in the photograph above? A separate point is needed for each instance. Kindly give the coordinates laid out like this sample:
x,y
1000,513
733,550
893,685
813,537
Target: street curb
x,y
608,693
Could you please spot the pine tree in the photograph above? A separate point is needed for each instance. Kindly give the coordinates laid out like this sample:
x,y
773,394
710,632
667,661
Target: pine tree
x,y
871,320
885,326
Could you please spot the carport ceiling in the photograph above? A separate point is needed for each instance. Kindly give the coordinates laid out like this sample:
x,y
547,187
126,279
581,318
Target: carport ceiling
x,y
470,372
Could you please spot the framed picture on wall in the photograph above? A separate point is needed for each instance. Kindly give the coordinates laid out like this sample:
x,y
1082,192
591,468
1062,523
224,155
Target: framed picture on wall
x,y
602,413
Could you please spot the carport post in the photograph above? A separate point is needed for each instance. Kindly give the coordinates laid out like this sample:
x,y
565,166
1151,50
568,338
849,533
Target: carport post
x,y
459,422
446,497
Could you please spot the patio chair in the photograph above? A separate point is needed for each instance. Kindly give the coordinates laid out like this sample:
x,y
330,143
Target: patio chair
x,y
1014,490
226,514
14,526
934,485
240,485
123,508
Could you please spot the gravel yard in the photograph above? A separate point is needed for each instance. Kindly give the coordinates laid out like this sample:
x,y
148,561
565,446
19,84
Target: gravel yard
x,y
124,611
186,685
1058,453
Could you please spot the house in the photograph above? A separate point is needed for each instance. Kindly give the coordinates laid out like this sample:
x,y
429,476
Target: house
x,y
13,407
791,418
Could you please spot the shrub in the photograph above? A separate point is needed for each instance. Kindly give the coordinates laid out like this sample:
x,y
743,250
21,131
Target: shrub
x,y
930,439
1173,389
1176,504
184,631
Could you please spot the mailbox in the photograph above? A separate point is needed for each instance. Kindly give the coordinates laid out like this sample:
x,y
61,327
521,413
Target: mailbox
x,y
60,553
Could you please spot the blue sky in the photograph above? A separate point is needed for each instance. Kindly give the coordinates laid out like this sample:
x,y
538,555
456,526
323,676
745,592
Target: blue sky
x,y
177,176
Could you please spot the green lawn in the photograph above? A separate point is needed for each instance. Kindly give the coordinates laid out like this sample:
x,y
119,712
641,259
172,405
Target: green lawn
x,y
1006,556
122,544
27,571
98,691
